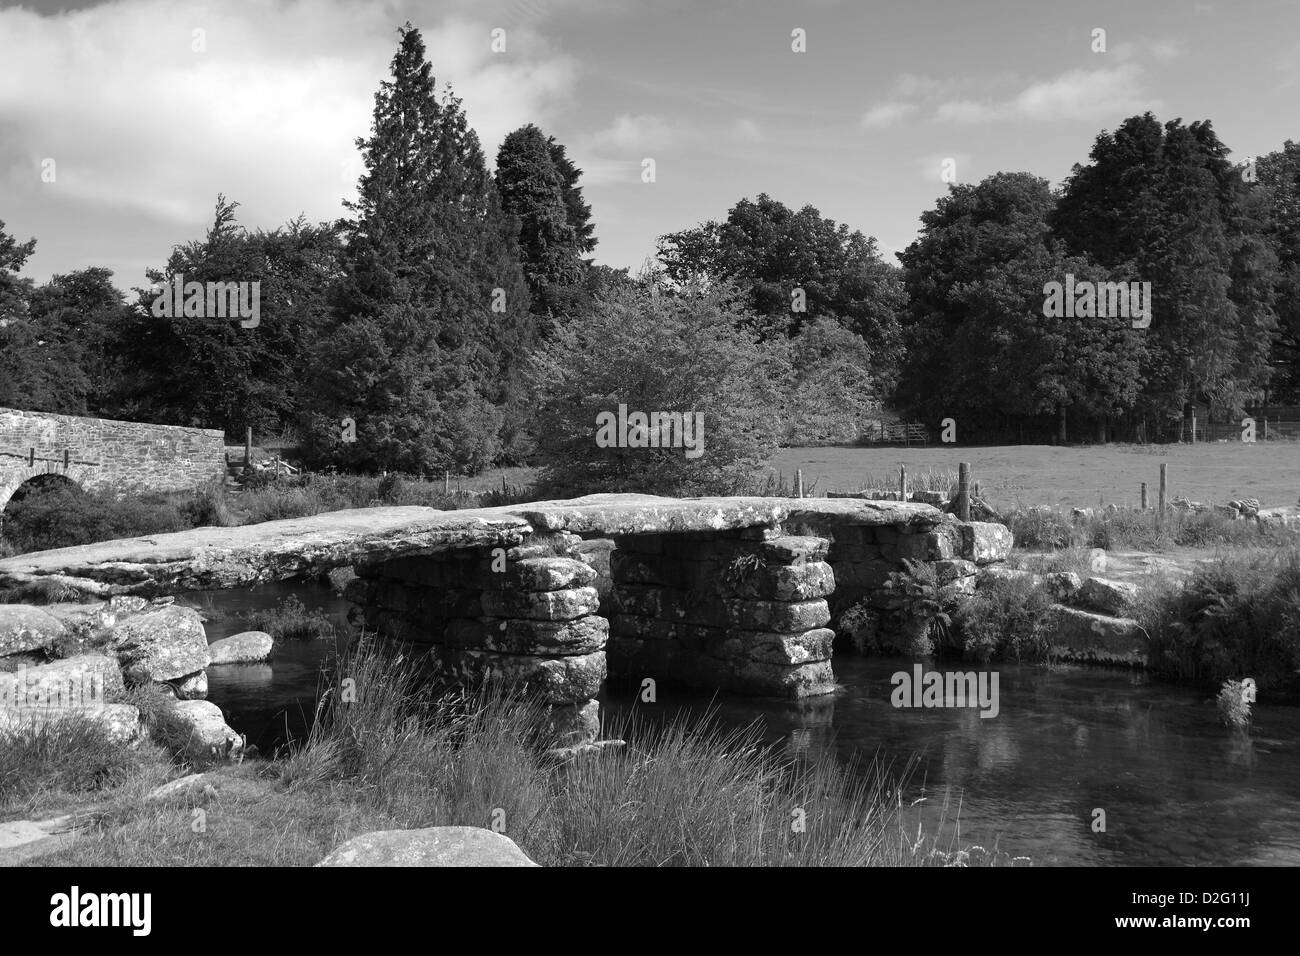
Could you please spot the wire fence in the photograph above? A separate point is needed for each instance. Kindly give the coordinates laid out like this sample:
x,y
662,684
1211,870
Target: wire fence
x,y
1266,429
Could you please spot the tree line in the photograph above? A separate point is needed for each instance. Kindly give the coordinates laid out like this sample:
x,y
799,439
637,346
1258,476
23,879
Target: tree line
x,y
455,318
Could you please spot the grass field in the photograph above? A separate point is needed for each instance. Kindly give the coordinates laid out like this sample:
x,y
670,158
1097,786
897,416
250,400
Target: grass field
x,y
1022,475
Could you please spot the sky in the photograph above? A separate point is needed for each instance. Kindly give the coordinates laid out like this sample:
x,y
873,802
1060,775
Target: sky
x,y
121,121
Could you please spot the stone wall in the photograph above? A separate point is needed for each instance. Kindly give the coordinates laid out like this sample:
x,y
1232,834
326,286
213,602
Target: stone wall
x,y
106,454
744,611
525,614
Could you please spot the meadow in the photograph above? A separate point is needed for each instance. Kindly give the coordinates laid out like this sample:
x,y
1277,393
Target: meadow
x,y
1014,476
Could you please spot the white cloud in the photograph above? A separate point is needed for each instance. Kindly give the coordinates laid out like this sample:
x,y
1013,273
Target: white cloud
x,y
1074,95
631,133
1145,48
748,130
886,114
267,113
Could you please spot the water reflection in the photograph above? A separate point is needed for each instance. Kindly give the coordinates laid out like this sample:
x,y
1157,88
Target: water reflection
x,y
1177,787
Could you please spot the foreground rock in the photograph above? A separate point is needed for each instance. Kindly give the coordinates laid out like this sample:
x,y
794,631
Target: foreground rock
x,y
197,729
1107,596
250,647
24,629
84,682
164,644
24,839
1096,638
433,846
89,686
121,722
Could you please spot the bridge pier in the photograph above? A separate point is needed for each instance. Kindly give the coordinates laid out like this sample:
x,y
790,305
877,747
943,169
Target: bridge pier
x,y
525,614
744,611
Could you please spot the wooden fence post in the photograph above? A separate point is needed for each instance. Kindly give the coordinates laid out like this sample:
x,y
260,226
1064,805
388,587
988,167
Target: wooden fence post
x,y
446,481
902,482
1164,486
1144,496
248,447
798,483
963,491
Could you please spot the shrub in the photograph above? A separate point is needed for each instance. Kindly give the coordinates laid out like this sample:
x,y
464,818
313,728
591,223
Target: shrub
x,y
1237,616
291,620
691,351
62,515
1006,619
919,607
1233,703
1040,528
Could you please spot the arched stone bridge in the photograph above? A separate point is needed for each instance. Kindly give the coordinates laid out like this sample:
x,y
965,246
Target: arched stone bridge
x,y
743,595
98,453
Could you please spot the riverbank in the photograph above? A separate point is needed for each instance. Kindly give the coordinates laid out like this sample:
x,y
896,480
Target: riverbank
x,y
681,793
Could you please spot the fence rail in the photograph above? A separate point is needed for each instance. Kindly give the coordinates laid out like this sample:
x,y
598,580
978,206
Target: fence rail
x,y
29,455
909,433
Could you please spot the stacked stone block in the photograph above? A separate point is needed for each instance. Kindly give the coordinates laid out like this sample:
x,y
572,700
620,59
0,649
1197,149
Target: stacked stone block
x,y
526,617
743,611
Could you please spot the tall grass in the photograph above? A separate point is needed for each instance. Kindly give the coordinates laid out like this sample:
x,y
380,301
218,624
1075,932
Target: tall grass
x,y
403,755
72,754
1134,529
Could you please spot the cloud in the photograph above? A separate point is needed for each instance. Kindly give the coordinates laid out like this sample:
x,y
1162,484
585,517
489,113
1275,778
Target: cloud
x,y
748,130
886,114
1075,94
1145,48
147,116
631,133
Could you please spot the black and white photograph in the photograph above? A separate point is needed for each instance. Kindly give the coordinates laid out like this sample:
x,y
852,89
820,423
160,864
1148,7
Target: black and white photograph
x,y
650,434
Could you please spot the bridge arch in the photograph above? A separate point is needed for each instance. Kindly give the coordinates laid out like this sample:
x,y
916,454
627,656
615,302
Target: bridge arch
x,y
17,482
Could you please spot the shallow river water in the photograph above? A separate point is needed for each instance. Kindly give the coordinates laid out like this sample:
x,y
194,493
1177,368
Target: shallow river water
x,y
1176,788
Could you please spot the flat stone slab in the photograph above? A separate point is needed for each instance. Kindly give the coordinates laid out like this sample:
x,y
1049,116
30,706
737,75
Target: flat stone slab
x,y
625,514
252,554
277,550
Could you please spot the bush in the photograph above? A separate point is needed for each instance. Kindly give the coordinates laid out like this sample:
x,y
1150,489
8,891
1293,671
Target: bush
x,y
1005,619
1238,617
1041,528
291,620
691,352
62,515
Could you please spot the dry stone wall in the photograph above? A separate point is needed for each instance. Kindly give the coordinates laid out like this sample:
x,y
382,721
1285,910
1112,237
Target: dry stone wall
x,y
525,614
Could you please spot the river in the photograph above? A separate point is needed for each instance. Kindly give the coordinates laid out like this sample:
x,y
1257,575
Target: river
x,y
1176,787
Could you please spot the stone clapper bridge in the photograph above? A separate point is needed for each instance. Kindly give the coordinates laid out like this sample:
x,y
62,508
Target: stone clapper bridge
x,y
734,594
37,448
